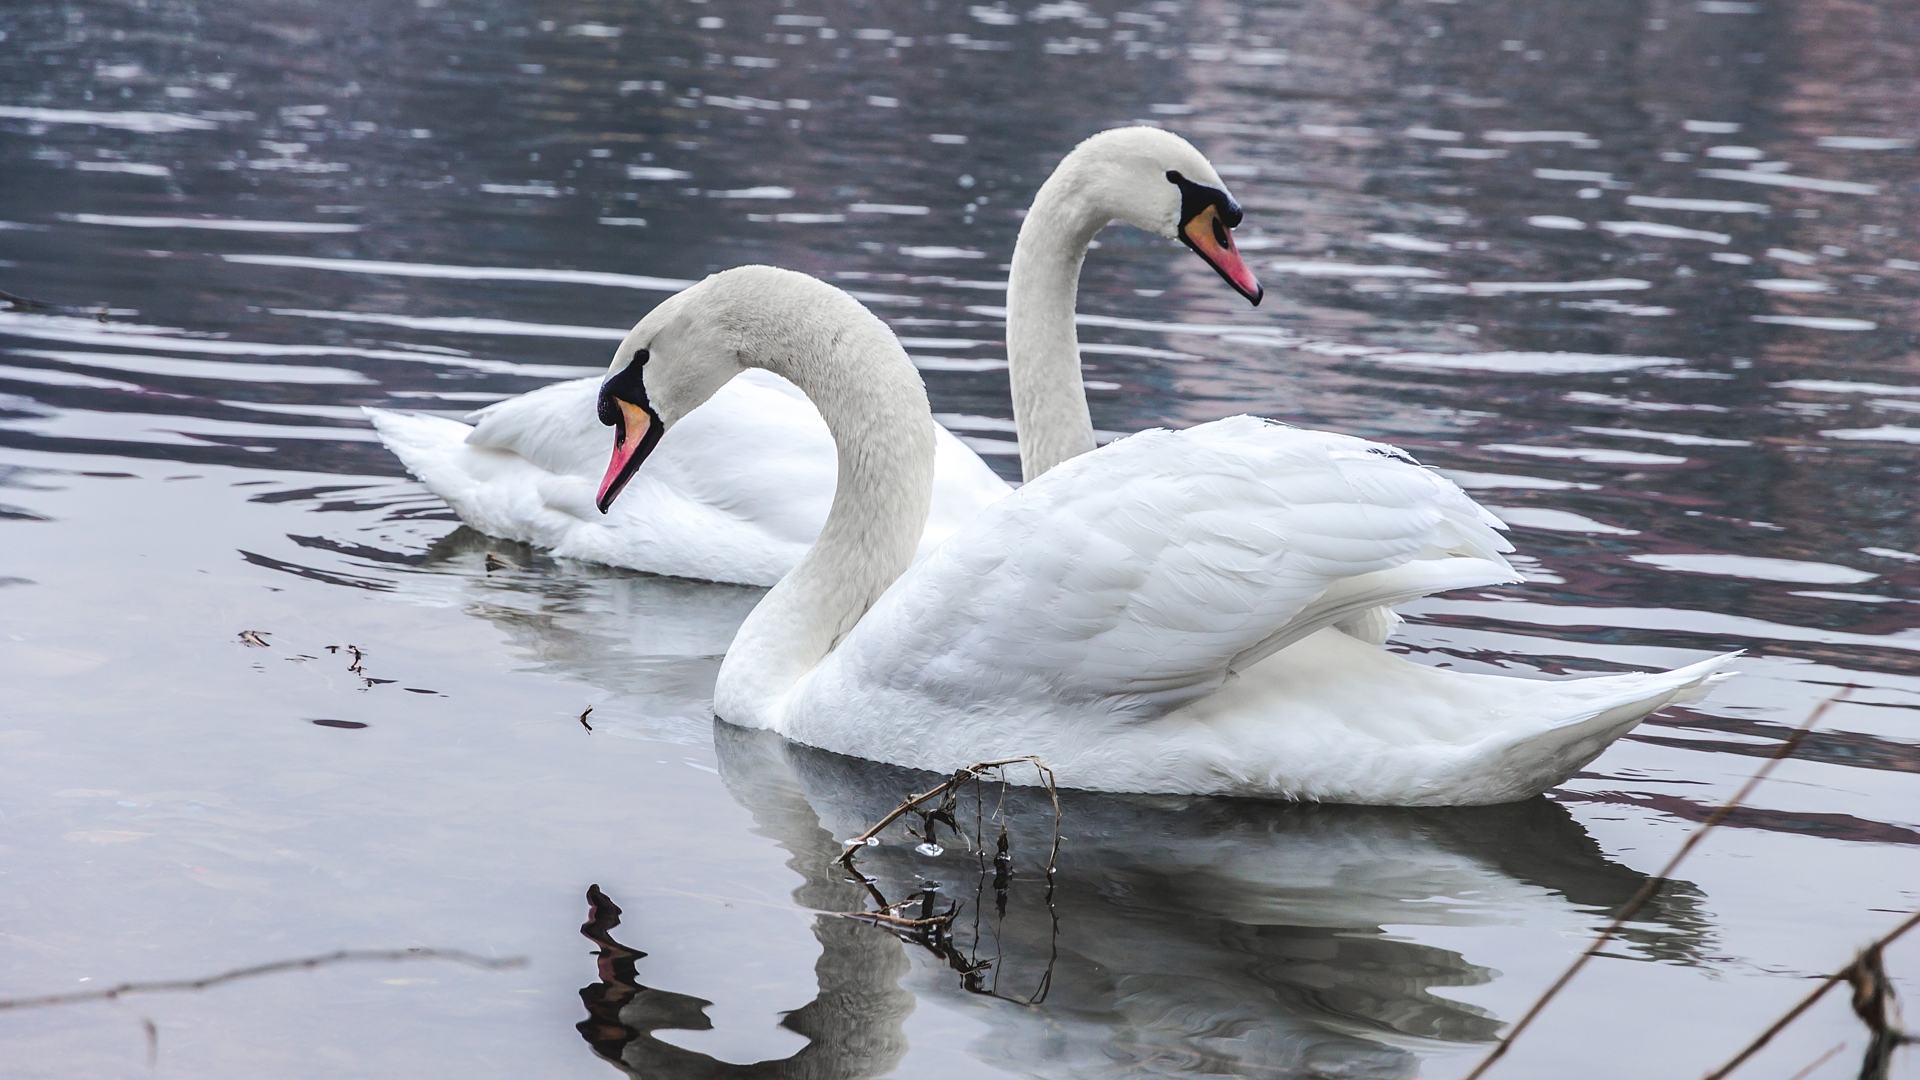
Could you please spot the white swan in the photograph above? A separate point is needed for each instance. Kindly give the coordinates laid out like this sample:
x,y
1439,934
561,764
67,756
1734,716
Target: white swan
x,y
740,489
1178,611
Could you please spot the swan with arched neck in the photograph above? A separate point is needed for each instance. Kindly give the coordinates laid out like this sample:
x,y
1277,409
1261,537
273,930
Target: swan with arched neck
x,y
1178,611
740,489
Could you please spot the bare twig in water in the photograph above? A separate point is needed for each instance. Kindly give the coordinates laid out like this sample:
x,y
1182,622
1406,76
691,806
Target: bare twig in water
x,y
933,929
342,956
1654,883
1817,1062
1872,1001
27,303
881,918
1845,974
255,639
583,719
357,657
947,790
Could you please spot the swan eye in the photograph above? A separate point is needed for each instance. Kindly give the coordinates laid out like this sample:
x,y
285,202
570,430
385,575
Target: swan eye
x,y
1195,199
626,384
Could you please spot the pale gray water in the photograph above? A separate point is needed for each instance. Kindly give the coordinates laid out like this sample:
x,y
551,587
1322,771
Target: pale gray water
x,y
1709,205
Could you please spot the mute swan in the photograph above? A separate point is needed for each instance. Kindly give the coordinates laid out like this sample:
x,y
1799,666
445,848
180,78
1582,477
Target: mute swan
x,y
1164,614
739,490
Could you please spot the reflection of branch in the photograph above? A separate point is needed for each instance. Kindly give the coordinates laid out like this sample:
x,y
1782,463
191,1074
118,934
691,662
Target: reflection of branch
x,y
342,956
933,930
1859,972
1654,883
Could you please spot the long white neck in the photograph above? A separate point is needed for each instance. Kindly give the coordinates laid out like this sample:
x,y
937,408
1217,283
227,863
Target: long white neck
x,y
876,408
1043,352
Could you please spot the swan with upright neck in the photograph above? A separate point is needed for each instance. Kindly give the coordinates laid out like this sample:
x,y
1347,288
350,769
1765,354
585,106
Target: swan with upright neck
x,y
741,488
1191,612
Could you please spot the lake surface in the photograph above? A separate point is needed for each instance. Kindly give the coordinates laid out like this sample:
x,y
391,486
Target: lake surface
x,y
1644,277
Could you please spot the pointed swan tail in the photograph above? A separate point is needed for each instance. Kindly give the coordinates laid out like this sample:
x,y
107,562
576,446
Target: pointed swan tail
x,y
1520,762
422,443
432,448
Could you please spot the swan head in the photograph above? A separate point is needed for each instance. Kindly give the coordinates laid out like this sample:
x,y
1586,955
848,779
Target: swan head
x,y
1156,180
673,359
683,351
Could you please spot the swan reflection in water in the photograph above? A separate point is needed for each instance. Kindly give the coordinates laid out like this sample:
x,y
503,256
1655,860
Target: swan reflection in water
x,y
1185,935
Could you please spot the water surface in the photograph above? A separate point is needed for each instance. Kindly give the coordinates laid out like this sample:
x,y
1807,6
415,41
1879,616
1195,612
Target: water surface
x,y
1642,277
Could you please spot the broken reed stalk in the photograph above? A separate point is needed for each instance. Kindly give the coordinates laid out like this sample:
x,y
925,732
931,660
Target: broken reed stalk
x,y
26,303
1654,883
1826,983
1817,1062
342,956
881,918
951,784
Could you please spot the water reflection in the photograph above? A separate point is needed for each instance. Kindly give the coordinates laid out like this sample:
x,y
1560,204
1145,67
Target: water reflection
x,y
1647,275
1193,935
853,1026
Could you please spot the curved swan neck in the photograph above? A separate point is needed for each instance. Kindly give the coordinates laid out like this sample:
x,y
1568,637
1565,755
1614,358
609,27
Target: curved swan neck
x,y
876,408
1043,351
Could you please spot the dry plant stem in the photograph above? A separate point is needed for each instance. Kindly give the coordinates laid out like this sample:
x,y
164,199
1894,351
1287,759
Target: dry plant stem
x,y
27,303
1817,1062
1654,883
1826,983
854,845
883,919
341,956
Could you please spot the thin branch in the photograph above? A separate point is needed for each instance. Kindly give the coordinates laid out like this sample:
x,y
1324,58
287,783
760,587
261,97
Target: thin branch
x,y
342,956
959,777
1817,1062
27,303
935,931
1653,884
1826,983
879,918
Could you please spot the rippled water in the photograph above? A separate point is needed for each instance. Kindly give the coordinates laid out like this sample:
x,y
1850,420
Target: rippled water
x,y
1642,276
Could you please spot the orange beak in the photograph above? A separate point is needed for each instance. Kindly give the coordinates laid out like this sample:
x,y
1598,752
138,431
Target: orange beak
x,y
634,434
1210,239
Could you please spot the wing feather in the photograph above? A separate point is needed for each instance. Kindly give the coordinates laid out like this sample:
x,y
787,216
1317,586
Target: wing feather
x,y
1139,577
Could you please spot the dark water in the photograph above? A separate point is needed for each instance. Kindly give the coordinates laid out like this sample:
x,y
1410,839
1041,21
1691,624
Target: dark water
x,y
1642,275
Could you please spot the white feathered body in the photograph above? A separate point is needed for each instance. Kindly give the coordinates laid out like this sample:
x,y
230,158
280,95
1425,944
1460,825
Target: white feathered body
x,y
1199,612
735,492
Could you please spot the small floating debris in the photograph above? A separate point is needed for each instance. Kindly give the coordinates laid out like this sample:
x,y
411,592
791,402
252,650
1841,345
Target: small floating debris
x,y
931,850
255,639
347,724
583,718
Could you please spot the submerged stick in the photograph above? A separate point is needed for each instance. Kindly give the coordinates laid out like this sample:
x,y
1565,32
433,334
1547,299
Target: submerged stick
x,y
1654,883
341,956
1827,983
